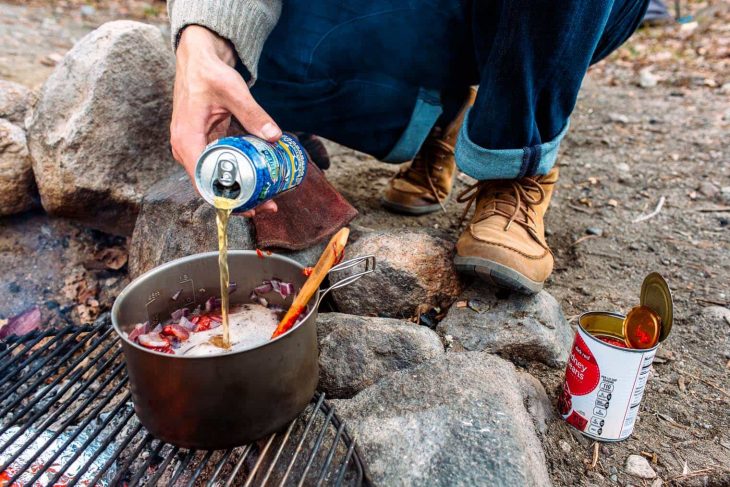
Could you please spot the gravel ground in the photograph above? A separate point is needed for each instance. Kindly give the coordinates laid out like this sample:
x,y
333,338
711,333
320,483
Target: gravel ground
x,y
629,148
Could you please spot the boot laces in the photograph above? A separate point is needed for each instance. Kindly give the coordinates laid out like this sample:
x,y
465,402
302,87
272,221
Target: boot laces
x,y
520,195
426,163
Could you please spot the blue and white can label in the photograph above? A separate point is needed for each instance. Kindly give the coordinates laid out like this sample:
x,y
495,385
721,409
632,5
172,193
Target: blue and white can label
x,y
250,170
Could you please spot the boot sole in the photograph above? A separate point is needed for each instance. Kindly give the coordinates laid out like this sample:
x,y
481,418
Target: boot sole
x,y
497,274
411,210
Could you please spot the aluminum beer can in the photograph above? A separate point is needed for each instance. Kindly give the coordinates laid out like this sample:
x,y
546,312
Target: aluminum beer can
x,y
249,170
604,383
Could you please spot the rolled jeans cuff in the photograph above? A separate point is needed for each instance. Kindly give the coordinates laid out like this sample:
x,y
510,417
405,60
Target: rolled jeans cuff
x,y
485,164
424,116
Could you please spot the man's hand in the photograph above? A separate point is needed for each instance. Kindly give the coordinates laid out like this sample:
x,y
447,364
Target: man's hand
x,y
207,92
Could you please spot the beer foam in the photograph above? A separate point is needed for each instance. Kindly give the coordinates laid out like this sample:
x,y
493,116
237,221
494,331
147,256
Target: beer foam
x,y
250,325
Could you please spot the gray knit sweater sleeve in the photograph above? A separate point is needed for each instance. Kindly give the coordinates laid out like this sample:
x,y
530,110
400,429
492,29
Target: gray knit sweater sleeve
x,y
246,23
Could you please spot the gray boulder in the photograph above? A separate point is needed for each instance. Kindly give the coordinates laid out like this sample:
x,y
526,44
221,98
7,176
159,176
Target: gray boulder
x,y
519,327
413,268
17,188
15,102
174,221
99,135
356,352
455,420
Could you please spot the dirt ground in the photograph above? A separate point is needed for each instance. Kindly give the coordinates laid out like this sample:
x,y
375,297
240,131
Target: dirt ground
x,y
629,148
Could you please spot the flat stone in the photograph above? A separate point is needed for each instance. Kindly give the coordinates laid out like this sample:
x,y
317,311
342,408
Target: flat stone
x,y
454,420
536,401
15,102
356,351
17,187
413,268
99,135
174,221
518,327
638,466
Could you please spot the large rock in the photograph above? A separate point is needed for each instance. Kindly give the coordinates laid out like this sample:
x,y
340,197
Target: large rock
x,y
521,328
15,102
174,221
356,352
17,188
413,268
452,421
99,133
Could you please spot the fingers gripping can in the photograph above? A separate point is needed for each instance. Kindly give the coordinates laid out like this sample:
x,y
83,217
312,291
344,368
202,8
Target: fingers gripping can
x,y
604,381
249,170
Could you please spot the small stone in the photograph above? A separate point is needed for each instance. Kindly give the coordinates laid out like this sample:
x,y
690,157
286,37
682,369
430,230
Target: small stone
x,y
623,167
357,351
638,466
614,478
536,401
13,287
657,483
15,102
99,135
87,10
565,446
647,79
613,203
597,231
618,118
519,327
413,268
51,59
708,189
725,89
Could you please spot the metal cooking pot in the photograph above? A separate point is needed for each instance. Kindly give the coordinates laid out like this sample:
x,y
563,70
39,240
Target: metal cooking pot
x,y
230,399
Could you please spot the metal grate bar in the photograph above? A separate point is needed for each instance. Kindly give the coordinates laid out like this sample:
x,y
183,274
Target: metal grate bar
x,y
60,394
200,468
262,455
315,450
68,418
103,446
182,466
38,433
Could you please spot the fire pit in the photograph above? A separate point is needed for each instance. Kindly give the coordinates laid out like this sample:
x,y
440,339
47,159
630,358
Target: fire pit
x,y
67,419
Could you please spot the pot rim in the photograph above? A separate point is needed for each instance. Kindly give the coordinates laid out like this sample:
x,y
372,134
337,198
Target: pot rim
x,y
128,288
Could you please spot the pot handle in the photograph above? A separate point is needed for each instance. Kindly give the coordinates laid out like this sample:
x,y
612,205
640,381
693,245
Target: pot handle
x,y
369,261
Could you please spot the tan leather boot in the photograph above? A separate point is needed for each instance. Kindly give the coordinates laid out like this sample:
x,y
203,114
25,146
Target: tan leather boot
x,y
505,242
424,185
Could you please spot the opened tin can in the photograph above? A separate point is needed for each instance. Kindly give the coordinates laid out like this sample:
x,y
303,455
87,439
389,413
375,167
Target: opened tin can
x,y
605,378
249,170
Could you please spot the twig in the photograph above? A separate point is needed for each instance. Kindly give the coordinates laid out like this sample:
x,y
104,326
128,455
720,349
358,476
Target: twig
x,y
653,213
596,447
696,473
718,303
716,387
579,208
719,209
583,239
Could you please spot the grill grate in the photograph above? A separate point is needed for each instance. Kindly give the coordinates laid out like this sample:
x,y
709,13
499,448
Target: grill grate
x,y
66,418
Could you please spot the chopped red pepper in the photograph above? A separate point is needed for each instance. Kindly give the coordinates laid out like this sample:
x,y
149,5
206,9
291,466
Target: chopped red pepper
x,y
202,324
307,271
269,252
260,254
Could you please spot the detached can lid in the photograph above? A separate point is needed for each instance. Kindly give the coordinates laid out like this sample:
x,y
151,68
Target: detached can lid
x,y
656,296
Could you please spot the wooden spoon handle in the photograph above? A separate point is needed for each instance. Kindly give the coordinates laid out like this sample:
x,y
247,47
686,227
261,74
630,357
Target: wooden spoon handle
x,y
331,255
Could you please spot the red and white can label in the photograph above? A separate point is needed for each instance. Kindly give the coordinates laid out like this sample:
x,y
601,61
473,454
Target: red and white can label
x,y
603,387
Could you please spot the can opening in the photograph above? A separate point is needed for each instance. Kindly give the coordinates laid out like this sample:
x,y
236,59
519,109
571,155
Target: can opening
x,y
227,191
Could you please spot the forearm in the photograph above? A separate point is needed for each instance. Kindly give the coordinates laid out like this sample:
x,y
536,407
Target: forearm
x,y
245,23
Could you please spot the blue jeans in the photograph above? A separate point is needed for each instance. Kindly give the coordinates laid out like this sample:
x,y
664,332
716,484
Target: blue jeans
x,y
377,75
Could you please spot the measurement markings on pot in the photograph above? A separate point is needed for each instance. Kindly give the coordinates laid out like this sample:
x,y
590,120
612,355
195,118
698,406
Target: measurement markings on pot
x,y
67,419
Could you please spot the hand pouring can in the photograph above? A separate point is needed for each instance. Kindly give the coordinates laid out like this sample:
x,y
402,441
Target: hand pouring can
x,y
605,380
249,170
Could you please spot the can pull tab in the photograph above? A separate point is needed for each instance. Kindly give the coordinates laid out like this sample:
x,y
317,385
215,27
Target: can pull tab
x,y
226,184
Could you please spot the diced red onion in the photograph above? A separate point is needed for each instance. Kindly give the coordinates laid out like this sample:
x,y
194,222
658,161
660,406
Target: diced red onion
x,y
264,288
262,301
153,340
176,295
214,324
212,303
187,324
139,329
157,329
286,289
232,287
179,313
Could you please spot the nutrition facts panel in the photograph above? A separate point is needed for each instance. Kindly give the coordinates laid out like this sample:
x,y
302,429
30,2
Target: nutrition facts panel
x,y
638,392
